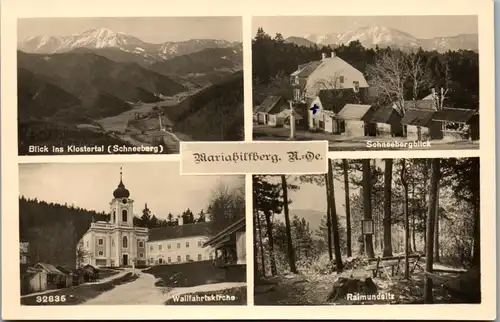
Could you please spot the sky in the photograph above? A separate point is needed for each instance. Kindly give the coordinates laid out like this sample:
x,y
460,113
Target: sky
x,y
418,26
148,29
91,185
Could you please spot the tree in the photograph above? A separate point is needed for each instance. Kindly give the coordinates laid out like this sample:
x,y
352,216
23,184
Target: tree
x,y
388,77
429,258
81,254
201,216
146,216
367,205
291,252
418,75
334,218
387,222
406,222
328,219
347,206
187,217
268,201
226,206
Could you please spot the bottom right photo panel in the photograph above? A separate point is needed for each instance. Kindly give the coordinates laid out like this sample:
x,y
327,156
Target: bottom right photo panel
x,y
370,231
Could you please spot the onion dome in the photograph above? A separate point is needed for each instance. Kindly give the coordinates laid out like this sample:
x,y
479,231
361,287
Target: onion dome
x,y
121,191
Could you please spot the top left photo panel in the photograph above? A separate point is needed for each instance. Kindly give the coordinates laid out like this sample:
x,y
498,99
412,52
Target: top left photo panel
x,y
128,85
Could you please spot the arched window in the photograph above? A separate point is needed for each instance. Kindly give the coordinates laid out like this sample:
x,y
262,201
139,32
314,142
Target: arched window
x,y
125,242
124,215
114,216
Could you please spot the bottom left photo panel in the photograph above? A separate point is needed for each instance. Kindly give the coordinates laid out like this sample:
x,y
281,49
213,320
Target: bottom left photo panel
x,y
130,233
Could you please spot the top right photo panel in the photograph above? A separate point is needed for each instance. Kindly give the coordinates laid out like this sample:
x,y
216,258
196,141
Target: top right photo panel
x,y
367,82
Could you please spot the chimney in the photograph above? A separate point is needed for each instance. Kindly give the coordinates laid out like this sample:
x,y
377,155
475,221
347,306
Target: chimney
x,y
332,54
179,221
323,56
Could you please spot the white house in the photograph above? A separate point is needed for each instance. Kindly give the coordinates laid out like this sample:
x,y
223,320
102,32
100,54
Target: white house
x,y
179,244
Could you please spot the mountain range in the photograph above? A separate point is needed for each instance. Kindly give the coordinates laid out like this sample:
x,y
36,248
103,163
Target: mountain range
x,y
374,35
106,41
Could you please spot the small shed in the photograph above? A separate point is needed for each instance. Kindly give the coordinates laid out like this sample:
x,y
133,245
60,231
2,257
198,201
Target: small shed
x,y
458,124
420,126
69,275
353,120
230,250
283,118
44,276
270,105
387,122
91,273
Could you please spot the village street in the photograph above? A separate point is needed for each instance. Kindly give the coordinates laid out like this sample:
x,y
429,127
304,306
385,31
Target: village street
x,y
140,291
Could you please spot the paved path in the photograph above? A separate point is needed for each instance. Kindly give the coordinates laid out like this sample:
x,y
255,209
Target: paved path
x,y
140,291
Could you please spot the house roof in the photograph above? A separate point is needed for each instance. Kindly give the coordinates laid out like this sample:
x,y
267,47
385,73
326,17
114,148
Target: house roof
x,y
419,104
418,117
181,231
231,229
307,69
382,115
353,112
268,104
457,115
66,270
49,268
286,113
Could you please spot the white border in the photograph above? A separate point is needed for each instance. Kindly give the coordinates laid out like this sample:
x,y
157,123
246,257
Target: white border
x,y
12,9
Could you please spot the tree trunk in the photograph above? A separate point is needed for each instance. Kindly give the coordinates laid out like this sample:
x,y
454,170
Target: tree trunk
x,y
387,208
334,220
270,238
407,223
413,220
328,219
436,229
262,259
291,252
367,204
429,247
476,254
255,248
347,208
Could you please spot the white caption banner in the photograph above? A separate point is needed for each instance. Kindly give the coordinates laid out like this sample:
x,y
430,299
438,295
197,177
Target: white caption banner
x,y
294,157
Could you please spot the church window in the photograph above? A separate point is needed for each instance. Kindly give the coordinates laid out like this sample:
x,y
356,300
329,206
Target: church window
x,y
199,243
187,244
112,242
179,258
187,258
141,255
141,244
100,241
169,260
87,243
114,216
125,242
124,215
160,260
101,253
160,247
151,260
151,248
199,257
169,246
178,245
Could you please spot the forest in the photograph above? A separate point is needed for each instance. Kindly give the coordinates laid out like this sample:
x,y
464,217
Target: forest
x,y
410,227
456,72
50,227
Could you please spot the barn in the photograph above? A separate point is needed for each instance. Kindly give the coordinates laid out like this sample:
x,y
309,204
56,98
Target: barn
x,y
270,106
353,120
458,124
387,122
419,125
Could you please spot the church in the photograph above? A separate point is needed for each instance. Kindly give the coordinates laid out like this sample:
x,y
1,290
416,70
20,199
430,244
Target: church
x,y
119,243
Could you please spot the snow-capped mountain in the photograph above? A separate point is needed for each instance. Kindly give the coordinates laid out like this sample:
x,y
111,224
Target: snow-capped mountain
x,y
102,38
374,35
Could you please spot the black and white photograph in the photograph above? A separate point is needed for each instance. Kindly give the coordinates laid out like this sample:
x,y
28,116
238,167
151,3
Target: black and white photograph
x,y
367,82
370,231
130,234
128,85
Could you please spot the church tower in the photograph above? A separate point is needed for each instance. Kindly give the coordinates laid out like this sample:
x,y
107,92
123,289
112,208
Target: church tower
x,y
122,211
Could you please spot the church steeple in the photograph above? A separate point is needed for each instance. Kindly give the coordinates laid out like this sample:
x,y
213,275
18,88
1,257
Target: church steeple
x,y
121,191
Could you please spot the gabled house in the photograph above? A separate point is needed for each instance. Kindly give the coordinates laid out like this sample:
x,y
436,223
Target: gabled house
x,y
70,275
328,73
283,118
458,124
230,250
266,111
387,122
419,125
43,276
355,120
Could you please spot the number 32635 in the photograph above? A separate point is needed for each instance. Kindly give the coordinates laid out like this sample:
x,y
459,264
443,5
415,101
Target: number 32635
x,y
50,298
